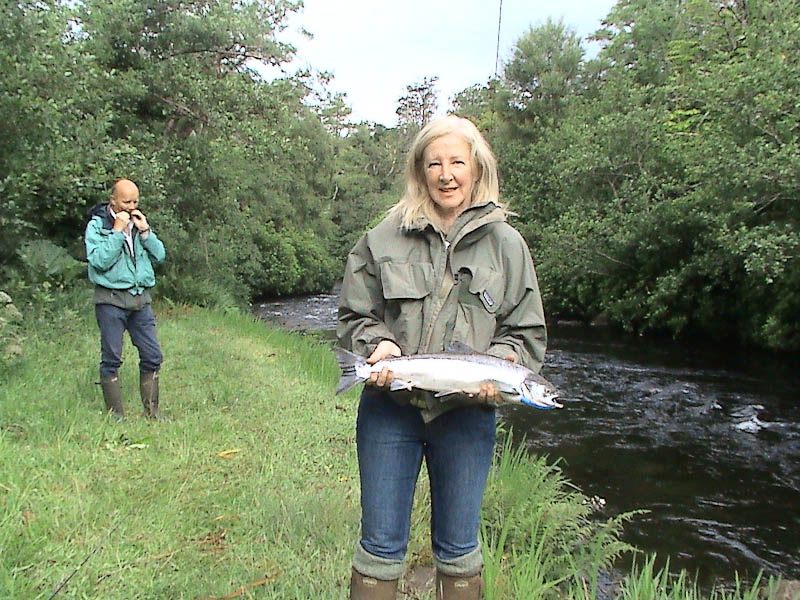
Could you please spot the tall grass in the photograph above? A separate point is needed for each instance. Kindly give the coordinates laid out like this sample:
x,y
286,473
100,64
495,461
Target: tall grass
x,y
645,583
540,540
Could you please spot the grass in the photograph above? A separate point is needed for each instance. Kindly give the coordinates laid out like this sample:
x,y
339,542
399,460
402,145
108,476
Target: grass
x,y
250,478
249,488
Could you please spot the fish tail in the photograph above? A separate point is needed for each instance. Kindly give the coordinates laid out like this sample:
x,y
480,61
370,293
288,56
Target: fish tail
x,y
348,363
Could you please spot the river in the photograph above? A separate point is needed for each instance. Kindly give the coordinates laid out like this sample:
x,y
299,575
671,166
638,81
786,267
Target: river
x,y
706,439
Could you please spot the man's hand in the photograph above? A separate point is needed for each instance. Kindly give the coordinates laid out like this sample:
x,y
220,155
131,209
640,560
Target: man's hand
x,y
385,349
140,221
122,220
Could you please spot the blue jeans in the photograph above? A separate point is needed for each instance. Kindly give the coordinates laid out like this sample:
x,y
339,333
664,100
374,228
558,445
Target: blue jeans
x,y
392,441
141,325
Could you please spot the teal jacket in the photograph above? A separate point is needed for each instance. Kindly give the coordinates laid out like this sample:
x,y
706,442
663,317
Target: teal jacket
x,y
111,263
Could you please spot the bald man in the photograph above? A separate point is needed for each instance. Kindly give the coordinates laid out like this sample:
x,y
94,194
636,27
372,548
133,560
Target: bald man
x,y
121,250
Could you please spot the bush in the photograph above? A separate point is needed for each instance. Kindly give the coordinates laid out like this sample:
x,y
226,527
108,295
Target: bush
x,y
10,333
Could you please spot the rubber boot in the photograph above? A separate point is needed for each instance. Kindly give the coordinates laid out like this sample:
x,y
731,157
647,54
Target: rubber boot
x,y
148,389
458,588
112,395
369,588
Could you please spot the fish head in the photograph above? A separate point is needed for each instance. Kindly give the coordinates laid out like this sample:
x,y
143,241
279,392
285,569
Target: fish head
x,y
536,391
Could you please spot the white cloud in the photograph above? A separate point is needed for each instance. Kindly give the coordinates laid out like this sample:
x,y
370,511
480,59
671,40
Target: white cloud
x,y
375,49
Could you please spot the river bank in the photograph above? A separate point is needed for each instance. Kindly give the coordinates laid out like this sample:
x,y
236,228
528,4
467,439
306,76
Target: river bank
x,y
249,488
249,484
705,438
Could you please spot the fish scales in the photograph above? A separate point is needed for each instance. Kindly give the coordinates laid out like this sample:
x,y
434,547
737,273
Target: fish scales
x,y
442,372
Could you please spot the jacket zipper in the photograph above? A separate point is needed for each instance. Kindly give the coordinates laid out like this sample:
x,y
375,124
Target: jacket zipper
x,y
447,283
442,292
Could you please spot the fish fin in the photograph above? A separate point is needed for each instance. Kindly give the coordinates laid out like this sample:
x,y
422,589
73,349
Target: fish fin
x,y
348,361
398,384
460,348
447,393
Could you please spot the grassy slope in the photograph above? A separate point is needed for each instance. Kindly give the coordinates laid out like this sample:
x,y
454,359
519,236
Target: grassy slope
x,y
170,516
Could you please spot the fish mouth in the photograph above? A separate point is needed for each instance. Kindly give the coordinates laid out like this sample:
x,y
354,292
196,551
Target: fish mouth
x,y
547,402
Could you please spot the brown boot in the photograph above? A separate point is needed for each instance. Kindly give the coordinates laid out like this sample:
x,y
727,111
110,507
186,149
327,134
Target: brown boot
x,y
112,395
458,588
148,389
369,588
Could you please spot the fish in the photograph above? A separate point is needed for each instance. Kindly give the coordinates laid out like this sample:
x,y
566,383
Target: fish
x,y
460,370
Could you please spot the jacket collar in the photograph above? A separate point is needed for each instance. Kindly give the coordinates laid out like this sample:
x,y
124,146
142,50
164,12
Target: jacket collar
x,y
471,219
101,210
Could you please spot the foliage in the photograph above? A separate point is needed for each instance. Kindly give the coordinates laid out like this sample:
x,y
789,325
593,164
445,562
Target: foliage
x,y
46,282
661,191
418,106
539,79
656,183
481,104
367,182
538,535
10,331
645,583
53,142
45,262
167,93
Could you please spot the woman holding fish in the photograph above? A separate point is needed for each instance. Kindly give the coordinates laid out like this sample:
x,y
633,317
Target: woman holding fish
x,y
443,268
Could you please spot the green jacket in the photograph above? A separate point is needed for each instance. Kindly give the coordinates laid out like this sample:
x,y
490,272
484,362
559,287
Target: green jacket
x,y
423,290
111,264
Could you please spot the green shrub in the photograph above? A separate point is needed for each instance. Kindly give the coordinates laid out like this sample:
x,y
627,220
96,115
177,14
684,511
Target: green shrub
x,y
10,332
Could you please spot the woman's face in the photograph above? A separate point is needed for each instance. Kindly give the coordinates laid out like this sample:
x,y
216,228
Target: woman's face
x,y
449,175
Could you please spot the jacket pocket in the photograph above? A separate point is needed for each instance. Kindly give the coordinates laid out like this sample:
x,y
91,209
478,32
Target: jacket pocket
x,y
406,286
486,288
406,280
481,293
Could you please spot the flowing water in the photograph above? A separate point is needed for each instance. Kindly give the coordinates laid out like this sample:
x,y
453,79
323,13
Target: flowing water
x,y
706,440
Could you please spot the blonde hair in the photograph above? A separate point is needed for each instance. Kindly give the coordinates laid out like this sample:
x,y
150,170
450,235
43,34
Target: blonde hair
x,y
416,203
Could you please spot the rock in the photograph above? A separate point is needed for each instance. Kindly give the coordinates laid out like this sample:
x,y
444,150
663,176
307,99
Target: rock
x,y
746,412
418,582
751,425
788,589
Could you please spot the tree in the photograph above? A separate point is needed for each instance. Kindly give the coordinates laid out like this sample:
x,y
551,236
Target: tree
x,y
543,73
481,104
661,191
418,106
165,92
53,134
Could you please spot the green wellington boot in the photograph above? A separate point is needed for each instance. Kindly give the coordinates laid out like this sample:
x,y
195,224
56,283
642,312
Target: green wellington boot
x,y
112,395
148,389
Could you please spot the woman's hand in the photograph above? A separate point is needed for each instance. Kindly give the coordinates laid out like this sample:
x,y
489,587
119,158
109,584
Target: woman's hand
x,y
383,379
488,393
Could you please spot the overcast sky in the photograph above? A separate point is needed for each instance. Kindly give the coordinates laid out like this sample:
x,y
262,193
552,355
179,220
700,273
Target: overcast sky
x,y
375,48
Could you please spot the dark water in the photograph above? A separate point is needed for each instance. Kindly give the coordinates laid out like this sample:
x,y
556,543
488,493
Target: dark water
x,y
705,439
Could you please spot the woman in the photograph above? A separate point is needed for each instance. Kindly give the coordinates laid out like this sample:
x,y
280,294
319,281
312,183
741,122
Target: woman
x,y
443,267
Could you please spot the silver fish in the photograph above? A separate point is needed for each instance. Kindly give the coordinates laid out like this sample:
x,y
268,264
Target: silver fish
x,y
458,371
